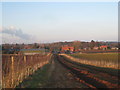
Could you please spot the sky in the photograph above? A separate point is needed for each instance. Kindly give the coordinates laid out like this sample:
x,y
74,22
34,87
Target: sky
x,y
44,22
60,0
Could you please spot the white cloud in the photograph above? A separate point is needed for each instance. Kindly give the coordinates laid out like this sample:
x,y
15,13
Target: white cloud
x,y
8,38
17,32
13,35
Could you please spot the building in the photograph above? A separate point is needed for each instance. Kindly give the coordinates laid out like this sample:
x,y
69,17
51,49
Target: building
x,y
103,47
87,48
114,48
95,48
67,48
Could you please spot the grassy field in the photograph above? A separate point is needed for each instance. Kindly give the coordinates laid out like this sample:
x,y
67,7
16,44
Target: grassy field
x,y
108,60
28,52
32,51
109,57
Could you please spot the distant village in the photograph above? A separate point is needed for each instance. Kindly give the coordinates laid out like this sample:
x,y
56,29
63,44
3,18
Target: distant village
x,y
61,47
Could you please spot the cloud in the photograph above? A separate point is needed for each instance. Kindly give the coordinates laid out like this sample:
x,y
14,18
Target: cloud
x,y
8,38
15,32
13,35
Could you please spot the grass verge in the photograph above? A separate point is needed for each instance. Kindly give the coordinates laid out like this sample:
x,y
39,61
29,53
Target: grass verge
x,y
36,80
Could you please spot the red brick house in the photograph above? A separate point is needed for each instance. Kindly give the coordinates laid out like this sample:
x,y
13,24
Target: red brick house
x,y
65,48
103,47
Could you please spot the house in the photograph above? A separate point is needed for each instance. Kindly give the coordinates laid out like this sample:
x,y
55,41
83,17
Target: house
x,y
95,48
87,48
104,47
114,48
67,48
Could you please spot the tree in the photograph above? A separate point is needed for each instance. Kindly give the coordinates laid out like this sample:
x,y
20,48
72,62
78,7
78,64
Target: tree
x,y
35,45
77,45
92,44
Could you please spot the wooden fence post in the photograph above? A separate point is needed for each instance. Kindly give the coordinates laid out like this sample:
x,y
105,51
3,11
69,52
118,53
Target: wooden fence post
x,y
12,68
25,59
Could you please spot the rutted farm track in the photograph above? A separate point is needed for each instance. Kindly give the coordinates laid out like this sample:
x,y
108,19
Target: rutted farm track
x,y
88,76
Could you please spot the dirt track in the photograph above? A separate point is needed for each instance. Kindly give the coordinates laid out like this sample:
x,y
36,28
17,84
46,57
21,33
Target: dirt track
x,y
61,77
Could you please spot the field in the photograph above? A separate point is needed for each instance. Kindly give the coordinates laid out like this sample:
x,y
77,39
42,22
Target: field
x,y
109,57
109,60
33,51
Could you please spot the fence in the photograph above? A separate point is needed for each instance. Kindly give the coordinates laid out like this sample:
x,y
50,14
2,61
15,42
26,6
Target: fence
x,y
15,68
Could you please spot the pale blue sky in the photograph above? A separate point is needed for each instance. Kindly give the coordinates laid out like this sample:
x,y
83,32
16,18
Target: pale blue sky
x,y
60,21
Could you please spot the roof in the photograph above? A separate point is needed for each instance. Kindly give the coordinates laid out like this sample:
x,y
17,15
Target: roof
x,y
67,48
103,46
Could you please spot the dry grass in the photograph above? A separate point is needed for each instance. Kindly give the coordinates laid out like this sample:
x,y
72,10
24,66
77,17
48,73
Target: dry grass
x,y
109,57
109,60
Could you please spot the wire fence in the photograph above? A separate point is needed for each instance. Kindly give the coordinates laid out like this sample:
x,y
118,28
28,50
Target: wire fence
x,y
15,68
